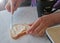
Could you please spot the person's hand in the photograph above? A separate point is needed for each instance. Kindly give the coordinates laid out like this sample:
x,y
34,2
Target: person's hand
x,y
12,5
40,25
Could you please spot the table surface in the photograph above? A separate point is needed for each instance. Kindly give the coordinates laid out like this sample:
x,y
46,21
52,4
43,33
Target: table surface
x,y
22,15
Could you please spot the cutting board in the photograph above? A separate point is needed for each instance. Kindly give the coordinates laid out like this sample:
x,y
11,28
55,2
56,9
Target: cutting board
x,y
54,34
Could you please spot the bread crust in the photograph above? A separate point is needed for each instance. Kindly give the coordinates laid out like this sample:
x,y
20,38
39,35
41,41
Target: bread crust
x,y
20,34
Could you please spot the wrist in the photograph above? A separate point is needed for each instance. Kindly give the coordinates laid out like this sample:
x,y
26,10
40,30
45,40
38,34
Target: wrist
x,y
49,20
52,19
55,17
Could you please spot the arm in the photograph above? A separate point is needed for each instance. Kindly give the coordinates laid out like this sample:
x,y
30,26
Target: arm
x,y
42,23
55,18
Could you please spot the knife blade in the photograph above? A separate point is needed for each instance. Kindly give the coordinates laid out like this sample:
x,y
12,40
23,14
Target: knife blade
x,y
12,21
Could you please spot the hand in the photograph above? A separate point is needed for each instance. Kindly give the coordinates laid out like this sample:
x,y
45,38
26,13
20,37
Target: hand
x,y
40,25
12,5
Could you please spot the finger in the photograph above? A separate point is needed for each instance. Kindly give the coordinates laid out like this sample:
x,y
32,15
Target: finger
x,y
30,24
8,7
12,6
15,9
38,29
12,9
35,24
43,28
42,32
16,5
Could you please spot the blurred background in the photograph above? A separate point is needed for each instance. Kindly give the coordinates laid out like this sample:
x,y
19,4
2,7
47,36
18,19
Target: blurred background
x,y
42,5
2,4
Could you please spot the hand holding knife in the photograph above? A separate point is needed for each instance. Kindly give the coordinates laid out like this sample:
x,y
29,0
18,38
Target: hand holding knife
x,y
12,11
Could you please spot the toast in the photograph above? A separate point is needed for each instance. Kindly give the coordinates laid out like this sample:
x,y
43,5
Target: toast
x,y
19,30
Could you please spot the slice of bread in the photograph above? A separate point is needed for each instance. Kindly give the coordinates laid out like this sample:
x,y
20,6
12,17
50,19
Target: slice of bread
x,y
19,30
